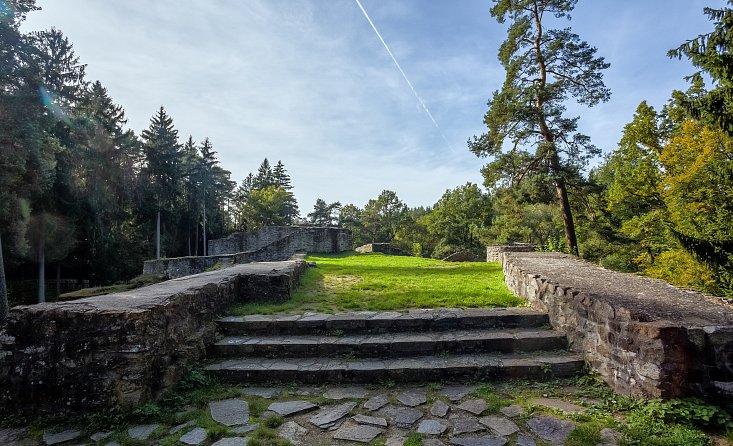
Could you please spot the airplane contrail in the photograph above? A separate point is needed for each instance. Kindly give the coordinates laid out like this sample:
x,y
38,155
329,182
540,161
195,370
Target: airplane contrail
x,y
417,96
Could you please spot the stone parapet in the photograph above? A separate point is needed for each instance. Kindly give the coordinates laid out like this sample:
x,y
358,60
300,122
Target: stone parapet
x,y
494,252
643,336
128,348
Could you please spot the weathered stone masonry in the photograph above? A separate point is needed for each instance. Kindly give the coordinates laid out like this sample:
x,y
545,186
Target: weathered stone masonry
x,y
125,348
643,336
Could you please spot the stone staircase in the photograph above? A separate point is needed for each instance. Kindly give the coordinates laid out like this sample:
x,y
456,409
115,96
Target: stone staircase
x,y
417,345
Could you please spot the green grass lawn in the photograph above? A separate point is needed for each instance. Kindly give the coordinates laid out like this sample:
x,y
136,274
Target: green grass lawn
x,y
352,282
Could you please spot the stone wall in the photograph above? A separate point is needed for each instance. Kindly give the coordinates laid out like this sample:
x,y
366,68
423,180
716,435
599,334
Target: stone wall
x,y
304,238
494,252
384,248
272,243
128,348
643,336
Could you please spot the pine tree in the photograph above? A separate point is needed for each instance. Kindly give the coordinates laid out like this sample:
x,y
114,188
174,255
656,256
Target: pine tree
x,y
264,177
162,165
544,67
281,177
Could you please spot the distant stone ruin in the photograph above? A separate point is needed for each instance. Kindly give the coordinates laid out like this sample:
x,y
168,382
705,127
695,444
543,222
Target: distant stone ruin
x,y
384,248
494,252
269,244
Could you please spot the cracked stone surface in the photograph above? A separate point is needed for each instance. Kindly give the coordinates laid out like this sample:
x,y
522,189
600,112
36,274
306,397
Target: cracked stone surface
x,y
439,409
475,406
412,398
142,432
195,437
231,441
431,427
525,440
293,432
463,424
231,412
292,407
374,421
486,440
500,425
357,432
551,429
403,417
50,438
376,402
512,411
342,393
329,416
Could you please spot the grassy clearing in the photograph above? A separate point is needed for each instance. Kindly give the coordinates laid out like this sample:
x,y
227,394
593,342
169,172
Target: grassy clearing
x,y
378,282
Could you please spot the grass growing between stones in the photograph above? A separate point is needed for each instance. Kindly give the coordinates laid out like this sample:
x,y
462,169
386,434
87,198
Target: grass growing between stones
x,y
379,282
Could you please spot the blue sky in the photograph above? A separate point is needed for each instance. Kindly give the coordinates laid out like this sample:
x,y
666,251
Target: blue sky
x,y
308,81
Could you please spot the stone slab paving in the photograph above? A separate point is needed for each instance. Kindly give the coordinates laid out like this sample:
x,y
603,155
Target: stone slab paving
x,y
403,417
342,393
431,427
464,424
293,432
231,412
292,407
329,416
374,421
195,437
500,425
486,440
551,429
439,409
456,393
142,431
557,403
98,436
357,432
231,441
512,411
475,406
412,398
376,402
50,438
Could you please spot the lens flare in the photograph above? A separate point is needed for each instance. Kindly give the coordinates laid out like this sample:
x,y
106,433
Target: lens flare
x,y
49,101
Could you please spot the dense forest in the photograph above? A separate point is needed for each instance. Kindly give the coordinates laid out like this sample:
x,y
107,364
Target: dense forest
x,y
91,199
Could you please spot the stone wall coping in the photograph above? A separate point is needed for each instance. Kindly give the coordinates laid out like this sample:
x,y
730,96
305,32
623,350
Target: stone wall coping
x,y
645,299
144,298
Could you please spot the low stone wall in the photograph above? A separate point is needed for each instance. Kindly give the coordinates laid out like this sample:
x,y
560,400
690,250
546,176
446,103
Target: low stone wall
x,y
282,242
494,252
643,336
128,348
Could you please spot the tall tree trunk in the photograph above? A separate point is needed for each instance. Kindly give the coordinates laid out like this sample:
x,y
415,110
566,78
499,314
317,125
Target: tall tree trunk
x,y
157,236
206,251
196,250
41,270
3,287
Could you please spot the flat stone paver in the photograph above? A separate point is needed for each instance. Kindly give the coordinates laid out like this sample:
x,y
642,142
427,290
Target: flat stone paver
x,y
231,412
500,425
262,392
404,417
431,427
7,436
439,409
195,437
142,431
556,403
112,443
456,393
232,441
357,432
374,421
50,438
172,430
329,416
551,429
292,407
293,432
342,393
97,436
463,424
525,440
485,440
512,411
475,406
243,429
432,442
376,402
412,398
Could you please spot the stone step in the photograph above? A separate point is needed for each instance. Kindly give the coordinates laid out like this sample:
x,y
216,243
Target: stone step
x,y
383,322
422,368
391,345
